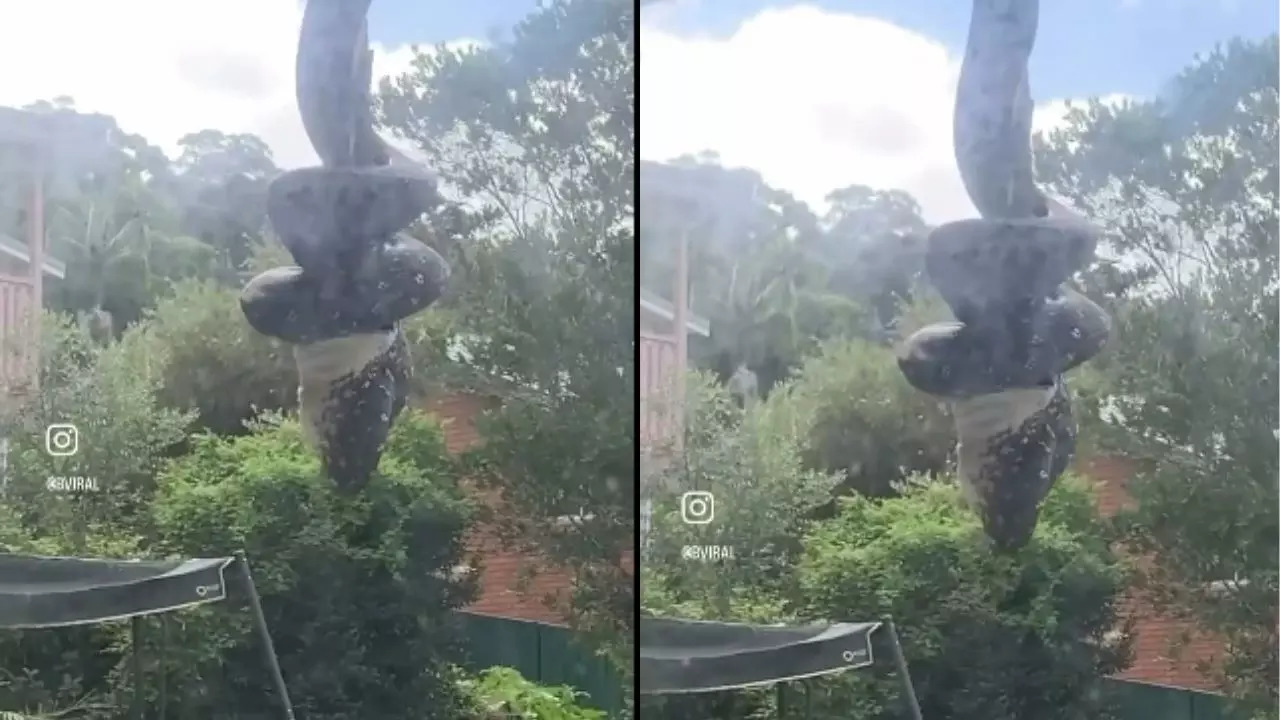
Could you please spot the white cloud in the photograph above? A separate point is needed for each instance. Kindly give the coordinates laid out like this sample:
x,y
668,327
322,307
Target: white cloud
x,y
814,100
165,68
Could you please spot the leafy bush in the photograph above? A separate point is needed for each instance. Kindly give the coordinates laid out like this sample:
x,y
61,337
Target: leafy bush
x,y
502,693
750,460
357,592
762,499
123,437
208,360
986,636
857,415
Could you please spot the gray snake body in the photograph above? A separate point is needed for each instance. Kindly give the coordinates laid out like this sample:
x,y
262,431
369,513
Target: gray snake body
x,y
357,275
1018,327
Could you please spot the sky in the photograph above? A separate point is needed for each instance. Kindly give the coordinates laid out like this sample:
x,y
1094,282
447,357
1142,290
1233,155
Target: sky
x,y
165,68
815,96
820,95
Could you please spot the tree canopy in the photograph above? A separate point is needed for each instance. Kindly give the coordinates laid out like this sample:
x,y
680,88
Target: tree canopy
x,y
187,418
813,300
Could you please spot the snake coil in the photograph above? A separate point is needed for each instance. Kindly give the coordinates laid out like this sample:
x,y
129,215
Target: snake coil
x,y
357,275
1019,328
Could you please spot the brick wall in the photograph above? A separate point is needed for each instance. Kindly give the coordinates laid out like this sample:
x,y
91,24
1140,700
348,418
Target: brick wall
x,y
1154,659
657,368
501,591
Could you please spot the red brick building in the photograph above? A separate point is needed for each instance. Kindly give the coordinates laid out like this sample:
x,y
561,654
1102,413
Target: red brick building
x,y
504,590
1155,659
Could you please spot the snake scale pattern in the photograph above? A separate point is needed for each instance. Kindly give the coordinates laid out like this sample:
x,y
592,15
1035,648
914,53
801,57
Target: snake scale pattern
x,y
1018,327
357,275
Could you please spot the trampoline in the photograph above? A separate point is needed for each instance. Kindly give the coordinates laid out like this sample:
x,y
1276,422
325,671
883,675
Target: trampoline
x,y
693,656
50,592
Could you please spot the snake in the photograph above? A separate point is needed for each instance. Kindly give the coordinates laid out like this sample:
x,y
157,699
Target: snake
x,y
357,274
1018,328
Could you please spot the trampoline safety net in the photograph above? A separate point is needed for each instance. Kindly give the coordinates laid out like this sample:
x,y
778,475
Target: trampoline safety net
x,y
689,656
40,592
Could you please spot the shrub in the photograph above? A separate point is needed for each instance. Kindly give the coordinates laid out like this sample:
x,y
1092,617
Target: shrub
x,y
358,593
501,693
986,636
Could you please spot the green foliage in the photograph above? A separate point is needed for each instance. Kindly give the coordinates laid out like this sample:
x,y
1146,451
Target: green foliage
x,y
763,497
123,436
536,135
500,693
1046,619
79,711
1188,390
773,280
356,593
221,187
128,222
670,587
207,359
985,636
856,415
542,249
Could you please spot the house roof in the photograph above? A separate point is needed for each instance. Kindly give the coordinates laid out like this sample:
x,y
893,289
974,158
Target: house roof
x,y
653,303
18,250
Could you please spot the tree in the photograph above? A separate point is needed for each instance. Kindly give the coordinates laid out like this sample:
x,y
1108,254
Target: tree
x,y
1187,187
123,437
1049,615
123,440
357,596
207,359
758,266
858,416
385,567
750,461
874,241
220,189
118,259
537,134
1045,619
110,220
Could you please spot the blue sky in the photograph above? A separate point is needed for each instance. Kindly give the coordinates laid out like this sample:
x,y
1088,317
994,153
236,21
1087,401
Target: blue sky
x,y
820,95
395,22
235,71
160,79
1084,47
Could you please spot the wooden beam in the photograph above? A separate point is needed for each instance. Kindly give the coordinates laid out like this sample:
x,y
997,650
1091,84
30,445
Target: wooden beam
x,y
35,268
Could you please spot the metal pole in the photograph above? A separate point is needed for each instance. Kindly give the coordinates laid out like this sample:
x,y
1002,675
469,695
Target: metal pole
x,y
135,639
908,689
255,603
164,667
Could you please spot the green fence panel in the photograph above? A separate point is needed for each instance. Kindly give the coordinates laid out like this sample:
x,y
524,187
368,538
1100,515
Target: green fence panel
x,y
493,641
564,662
543,653
1145,701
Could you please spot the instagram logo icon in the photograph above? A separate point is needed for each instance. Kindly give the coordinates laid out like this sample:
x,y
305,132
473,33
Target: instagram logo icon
x,y
61,440
697,508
